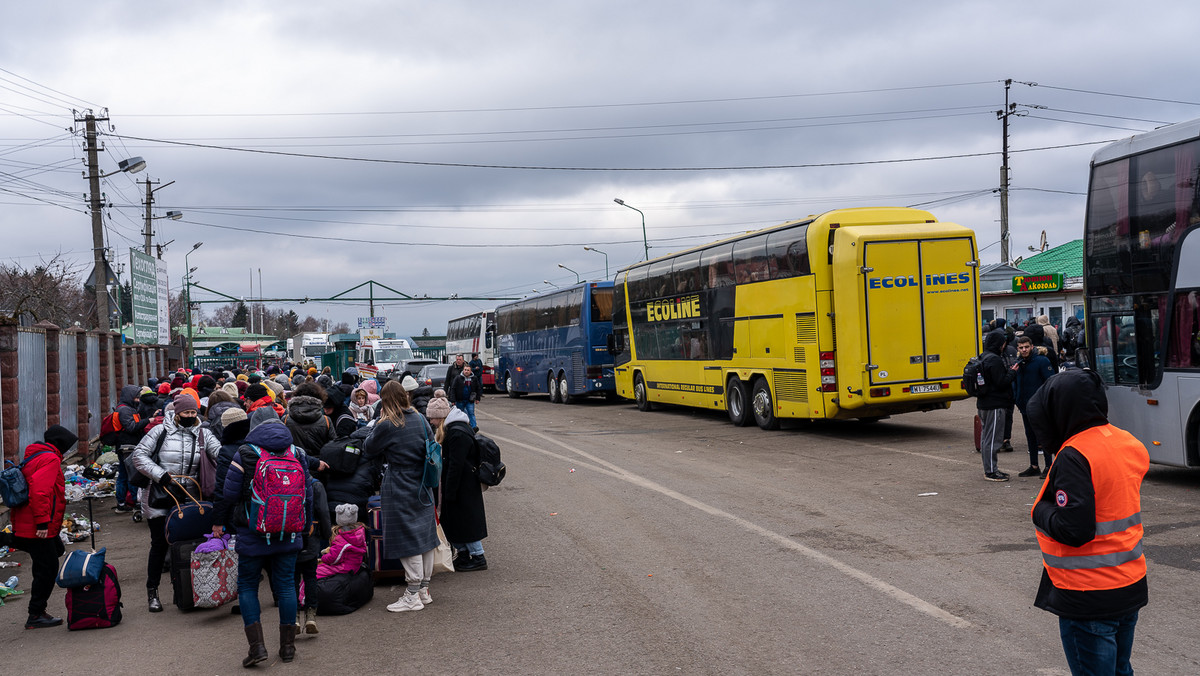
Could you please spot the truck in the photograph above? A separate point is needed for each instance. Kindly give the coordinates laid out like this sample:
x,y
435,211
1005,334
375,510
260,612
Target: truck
x,y
309,347
380,355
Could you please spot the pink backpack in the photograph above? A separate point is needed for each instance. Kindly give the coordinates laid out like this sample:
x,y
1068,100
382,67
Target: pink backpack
x,y
277,495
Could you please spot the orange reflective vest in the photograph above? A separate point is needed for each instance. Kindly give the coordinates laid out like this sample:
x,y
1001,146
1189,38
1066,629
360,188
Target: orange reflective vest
x,y
1114,558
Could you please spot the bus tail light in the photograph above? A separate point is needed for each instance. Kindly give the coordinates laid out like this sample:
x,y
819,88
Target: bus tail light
x,y
594,372
881,391
828,373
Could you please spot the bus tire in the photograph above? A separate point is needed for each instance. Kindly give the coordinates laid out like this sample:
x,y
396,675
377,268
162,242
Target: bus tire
x,y
736,402
509,387
763,407
640,396
564,396
552,388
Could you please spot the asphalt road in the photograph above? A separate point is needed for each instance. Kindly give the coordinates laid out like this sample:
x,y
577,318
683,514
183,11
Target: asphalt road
x,y
671,542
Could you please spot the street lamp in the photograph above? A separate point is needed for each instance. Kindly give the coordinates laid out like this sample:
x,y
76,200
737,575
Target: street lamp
x,y
546,281
570,270
131,165
188,296
645,244
588,248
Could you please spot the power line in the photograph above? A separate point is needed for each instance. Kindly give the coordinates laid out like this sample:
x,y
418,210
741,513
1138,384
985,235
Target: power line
x,y
2,70
1123,96
466,165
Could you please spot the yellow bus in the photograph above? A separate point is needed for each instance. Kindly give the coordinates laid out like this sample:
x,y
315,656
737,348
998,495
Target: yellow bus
x,y
855,313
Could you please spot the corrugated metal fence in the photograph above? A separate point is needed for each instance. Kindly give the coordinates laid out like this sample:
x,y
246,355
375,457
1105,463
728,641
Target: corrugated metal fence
x,y
68,382
31,385
93,384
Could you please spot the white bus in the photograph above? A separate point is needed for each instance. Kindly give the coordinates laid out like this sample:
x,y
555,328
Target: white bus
x,y
1142,287
474,334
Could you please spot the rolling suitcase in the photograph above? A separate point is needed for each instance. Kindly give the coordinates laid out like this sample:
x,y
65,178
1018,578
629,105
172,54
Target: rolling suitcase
x,y
381,567
181,574
97,605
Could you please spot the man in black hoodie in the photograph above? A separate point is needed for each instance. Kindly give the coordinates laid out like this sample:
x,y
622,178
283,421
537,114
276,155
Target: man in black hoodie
x,y
994,401
1089,523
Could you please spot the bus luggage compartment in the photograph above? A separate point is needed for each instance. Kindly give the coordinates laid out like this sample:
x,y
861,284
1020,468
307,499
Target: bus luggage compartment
x,y
906,313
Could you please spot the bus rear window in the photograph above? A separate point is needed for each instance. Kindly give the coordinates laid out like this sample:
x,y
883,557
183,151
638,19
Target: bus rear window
x,y
602,305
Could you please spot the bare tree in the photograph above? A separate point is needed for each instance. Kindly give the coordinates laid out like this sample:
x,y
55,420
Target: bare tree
x,y
310,324
340,328
49,291
223,315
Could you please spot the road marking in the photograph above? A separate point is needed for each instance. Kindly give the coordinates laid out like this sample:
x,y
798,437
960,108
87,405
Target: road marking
x,y
890,449
605,467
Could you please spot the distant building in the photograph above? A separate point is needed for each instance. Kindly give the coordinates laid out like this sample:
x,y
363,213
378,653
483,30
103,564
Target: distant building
x,y
1048,283
205,338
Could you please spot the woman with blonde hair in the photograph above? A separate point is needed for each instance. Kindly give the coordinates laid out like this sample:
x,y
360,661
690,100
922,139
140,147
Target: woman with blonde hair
x,y
409,526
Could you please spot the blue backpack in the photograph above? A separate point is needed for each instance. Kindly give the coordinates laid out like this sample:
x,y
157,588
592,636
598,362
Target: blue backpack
x,y
14,489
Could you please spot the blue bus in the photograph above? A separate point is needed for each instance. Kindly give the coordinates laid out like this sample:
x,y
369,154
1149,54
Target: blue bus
x,y
557,343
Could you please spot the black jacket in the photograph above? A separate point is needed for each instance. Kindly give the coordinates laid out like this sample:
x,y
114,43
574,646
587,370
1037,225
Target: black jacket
x,y
462,513
354,487
131,432
1067,404
420,398
451,373
997,391
311,428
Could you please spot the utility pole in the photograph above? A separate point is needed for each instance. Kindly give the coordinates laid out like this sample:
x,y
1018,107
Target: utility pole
x,y
101,276
149,232
1009,109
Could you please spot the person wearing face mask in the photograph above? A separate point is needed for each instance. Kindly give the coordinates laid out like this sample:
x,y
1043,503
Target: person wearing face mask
x,y
180,455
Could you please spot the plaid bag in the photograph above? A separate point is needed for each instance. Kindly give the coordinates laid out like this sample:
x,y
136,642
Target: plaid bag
x,y
214,578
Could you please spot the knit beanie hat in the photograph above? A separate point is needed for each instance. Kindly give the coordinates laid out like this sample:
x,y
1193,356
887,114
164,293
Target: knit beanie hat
x,y
231,415
276,388
256,391
232,389
437,410
409,384
185,402
347,515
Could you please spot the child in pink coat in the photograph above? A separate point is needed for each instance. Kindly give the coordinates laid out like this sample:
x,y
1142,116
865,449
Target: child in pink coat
x,y
349,544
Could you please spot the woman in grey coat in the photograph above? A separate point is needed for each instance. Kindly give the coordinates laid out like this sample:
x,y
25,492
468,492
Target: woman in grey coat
x,y
181,453
409,526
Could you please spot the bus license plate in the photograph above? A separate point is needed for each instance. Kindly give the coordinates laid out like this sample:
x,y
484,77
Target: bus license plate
x,y
925,389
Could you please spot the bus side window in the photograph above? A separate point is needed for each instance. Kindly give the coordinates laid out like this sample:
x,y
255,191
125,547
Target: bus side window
x,y
787,253
685,273
659,280
749,259
1183,345
718,266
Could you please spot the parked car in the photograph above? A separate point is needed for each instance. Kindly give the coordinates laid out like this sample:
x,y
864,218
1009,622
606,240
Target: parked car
x,y
414,366
433,375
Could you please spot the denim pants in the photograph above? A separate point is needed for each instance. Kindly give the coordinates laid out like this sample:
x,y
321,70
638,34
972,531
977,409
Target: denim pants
x,y
1098,646
282,570
123,488
473,548
467,407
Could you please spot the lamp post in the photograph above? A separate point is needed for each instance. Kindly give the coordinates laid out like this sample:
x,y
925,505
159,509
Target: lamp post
x,y
645,244
188,295
588,248
546,281
570,270
173,215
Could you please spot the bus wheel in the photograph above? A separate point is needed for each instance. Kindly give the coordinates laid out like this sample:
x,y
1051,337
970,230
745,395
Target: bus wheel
x,y
640,396
764,408
508,387
563,395
735,402
552,388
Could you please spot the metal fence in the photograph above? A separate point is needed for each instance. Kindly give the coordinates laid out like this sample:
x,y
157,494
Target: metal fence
x,y
68,382
31,386
93,384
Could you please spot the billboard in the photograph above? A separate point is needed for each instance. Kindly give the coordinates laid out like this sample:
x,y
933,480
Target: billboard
x,y
148,282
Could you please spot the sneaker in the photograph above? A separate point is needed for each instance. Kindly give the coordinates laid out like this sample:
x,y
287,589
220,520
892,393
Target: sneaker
x,y
408,601
123,508
42,621
996,476
473,563
1005,448
1032,470
423,594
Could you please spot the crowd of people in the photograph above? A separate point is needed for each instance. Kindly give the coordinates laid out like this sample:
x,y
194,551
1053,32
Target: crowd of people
x,y
225,430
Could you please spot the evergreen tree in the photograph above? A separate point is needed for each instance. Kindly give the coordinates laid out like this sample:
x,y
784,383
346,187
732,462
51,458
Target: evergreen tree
x,y
240,315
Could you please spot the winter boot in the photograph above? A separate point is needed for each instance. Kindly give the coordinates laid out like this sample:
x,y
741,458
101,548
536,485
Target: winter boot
x,y
287,642
310,621
258,648
152,600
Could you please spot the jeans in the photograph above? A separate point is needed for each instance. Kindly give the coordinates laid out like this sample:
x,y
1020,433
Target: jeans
x,y
468,407
473,548
45,553
123,487
989,438
282,570
1098,646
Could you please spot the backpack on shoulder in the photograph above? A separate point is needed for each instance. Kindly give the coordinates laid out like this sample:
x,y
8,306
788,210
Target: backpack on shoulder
x,y
972,378
276,506
491,470
14,489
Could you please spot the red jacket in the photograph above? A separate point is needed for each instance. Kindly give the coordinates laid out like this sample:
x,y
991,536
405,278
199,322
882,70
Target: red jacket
x,y
47,493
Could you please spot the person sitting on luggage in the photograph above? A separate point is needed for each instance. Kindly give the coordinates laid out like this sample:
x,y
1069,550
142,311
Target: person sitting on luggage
x,y
180,454
37,522
348,548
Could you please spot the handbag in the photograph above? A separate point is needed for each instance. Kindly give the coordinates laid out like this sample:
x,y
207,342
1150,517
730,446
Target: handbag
x,y
181,489
214,576
136,478
189,520
443,556
83,567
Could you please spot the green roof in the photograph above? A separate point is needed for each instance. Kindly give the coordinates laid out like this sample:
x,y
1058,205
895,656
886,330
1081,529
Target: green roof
x,y
1066,258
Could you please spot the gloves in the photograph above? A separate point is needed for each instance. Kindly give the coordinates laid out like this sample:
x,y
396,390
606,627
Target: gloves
x,y
165,479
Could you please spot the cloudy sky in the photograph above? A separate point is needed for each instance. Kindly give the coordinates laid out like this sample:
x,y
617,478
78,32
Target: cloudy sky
x,y
471,148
